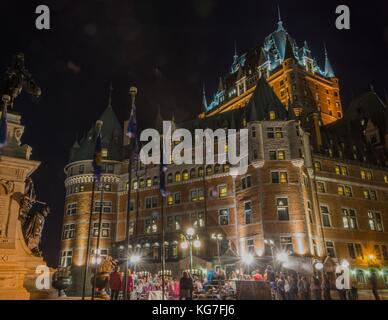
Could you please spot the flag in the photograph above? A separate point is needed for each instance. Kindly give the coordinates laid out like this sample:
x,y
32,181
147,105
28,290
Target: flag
x,y
162,175
3,128
132,124
97,159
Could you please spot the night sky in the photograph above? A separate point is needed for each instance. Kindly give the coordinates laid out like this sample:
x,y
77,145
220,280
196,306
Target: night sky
x,y
167,49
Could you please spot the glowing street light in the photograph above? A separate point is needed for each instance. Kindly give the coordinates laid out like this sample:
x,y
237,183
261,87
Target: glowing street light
x,y
318,266
345,264
282,257
247,259
184,245
189,242
190,232
134,259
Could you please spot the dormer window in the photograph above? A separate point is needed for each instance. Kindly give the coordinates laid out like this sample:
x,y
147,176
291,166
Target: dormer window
x,y
104,153
272,115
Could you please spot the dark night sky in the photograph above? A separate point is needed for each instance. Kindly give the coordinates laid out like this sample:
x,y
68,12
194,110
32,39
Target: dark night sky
x,y
167,49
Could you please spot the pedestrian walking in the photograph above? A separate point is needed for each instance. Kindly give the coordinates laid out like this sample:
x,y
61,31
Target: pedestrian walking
x,y
303,288
186,287
373,284
115,283
281,288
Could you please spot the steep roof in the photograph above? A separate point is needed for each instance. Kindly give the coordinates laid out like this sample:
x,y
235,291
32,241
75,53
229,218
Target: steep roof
x,y
112,139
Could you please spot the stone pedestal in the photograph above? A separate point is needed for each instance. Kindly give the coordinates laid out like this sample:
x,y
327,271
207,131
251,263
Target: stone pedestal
x,y
17,264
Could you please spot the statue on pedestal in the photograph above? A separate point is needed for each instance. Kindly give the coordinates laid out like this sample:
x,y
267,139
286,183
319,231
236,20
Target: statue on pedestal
x,y
33,228
18,78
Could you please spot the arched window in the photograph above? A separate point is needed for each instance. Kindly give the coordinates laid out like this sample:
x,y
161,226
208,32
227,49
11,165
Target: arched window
x,y
226,167
193,173
178,177
217,168
200,172
169,178
185,175
209,170
149,182
135,184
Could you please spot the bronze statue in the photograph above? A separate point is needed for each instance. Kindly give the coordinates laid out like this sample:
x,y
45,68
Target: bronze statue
x,y
33,228
27,200
18,78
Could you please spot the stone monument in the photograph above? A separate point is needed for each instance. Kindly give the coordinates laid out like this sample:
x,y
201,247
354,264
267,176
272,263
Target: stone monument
x,y
21,215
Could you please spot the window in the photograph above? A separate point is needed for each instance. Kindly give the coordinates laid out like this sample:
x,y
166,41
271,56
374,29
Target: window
x,y
68,231
349,219
151,202
178,177
345,191
360,276
196,195
248,212
370,194
355,251
341,170
200,172
155,181
282,209
374,221
250,245
246,182
66,258
270,133
325,216
321,187
107,206
81,169
135,185
71,209
197,219
110,168
286,244
104,153
272,115
222,191
193,173
149,182
174,198
209,170
330,249
108,187
141,183
150,226
169,178
281,155
173,223
185,175
105,230
279,177
385,178
317,166
223,217
366,174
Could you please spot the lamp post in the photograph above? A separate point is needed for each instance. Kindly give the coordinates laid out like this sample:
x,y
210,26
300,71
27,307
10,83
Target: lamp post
x,y
247,259
271,243
218,238
190,241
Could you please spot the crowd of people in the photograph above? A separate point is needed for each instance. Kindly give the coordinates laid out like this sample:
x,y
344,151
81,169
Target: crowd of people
x,y
283,285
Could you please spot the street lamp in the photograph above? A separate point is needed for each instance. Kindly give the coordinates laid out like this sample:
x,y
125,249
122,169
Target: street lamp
x,y
190,241
247,259
134,259
282,257
218,238
271,243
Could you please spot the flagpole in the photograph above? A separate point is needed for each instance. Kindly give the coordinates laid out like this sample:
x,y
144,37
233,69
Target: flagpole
x,y
132,92
97,253
163,248
89,236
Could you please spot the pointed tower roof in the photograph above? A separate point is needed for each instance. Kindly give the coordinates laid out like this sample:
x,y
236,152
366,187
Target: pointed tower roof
x,y
280,22
220,84
288,51
159,120
329,72
264,100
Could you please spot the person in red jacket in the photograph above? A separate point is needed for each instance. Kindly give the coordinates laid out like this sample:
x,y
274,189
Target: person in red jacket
x,y
116,283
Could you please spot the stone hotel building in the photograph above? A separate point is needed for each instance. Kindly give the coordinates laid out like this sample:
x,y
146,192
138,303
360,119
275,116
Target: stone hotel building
x,y
317,182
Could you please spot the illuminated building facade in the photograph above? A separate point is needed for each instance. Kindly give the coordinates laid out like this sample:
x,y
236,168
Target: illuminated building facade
x,y
317,182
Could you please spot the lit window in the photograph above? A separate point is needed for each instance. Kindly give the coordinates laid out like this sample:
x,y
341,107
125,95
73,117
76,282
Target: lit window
x,y
349,219
209,170
281,155
71,209
222,191
279,177
105,230
248,212
68,231
272,115
344,171
348,191
185,175
178,177
149,182
374,221
141,183
386,178
200,172
104,153
286,244
338,170
279,133
317,166
150,226
66,258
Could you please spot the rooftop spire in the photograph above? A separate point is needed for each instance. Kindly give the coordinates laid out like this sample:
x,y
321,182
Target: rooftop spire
x,y
280,22
329,72
110,95
204,102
